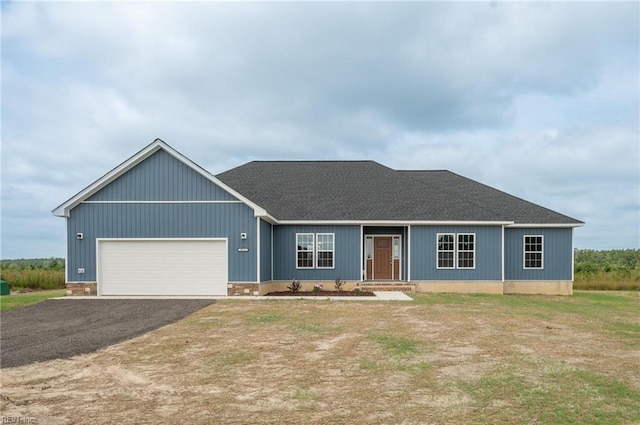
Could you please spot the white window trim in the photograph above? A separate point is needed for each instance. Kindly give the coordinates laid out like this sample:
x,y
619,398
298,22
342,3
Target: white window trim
x,y
457,262
313,251
333,251
524,252
455,241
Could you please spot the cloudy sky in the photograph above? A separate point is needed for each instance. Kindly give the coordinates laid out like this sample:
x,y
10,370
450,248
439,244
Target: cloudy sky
x,y
540,100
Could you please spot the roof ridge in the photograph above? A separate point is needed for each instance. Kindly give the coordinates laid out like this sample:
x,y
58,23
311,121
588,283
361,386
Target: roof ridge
x,y
425,171
314,160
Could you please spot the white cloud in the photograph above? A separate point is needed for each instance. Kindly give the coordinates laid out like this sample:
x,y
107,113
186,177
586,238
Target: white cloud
x,y
538,99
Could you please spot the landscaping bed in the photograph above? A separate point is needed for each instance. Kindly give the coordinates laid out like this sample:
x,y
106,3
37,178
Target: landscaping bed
x,y
321,294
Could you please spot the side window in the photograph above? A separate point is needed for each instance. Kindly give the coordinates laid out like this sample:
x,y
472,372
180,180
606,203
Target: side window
x,y
446,249
533,252
325,250
304,250
456,250
466,250
315,250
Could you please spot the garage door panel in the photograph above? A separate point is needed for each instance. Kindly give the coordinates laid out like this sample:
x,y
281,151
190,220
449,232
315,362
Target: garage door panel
x,y
162,267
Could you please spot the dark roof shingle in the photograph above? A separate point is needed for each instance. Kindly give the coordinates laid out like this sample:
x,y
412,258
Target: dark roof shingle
x,y
369,191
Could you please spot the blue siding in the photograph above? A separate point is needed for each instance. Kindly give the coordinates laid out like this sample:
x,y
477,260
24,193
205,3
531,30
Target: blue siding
x,y
557,254
347,253
161,177
115,220
488,254
265,251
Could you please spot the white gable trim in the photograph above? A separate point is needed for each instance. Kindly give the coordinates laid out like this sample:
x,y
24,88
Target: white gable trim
x,y
64,209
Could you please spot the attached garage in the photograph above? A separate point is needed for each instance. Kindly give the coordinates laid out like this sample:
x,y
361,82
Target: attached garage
x,y
170,267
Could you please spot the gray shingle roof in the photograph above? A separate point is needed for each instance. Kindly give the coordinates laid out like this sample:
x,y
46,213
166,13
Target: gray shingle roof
x,y
367,190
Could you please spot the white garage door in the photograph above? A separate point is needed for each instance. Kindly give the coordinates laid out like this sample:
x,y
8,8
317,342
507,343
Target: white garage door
x,y
162,267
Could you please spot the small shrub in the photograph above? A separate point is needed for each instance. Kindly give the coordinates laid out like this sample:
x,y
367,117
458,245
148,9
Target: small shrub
x,y
339,284
317,288
357,291
295,286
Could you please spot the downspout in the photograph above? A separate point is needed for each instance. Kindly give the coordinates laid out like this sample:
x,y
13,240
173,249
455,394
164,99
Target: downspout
x,y
502,256
362,265
408,253
573,257
258,249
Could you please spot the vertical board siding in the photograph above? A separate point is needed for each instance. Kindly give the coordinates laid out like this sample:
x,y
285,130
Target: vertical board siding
x,y
161,177
488,253
346,253
265,251
557,254
161,221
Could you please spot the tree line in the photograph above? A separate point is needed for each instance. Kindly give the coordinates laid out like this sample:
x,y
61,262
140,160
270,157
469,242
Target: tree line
x,y
590,261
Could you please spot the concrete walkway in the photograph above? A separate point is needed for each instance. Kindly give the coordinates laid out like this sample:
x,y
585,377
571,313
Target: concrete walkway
x,y
380,296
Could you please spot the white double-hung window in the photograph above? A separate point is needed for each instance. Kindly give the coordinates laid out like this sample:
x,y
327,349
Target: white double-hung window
x,y
304,250
456,250
315,250
325,250
533,252
446,250
466,250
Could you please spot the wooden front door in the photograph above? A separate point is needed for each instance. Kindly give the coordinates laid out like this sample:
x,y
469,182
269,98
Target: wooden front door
x,y
382,257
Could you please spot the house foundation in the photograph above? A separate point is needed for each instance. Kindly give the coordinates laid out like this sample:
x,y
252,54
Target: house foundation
x,y
82,289
243,288
532,287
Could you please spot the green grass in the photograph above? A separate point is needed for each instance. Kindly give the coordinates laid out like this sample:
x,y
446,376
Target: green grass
x,y
558,395
267,318
11,302
397,345
33,278
238,357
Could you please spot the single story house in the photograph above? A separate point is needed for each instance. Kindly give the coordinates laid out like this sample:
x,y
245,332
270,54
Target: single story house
x,y
159,224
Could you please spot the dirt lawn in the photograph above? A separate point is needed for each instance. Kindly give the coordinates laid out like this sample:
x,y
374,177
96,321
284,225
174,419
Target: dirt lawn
x,y
441,359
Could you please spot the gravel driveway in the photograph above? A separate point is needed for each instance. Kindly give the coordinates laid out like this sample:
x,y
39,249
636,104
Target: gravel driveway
x,y
56,329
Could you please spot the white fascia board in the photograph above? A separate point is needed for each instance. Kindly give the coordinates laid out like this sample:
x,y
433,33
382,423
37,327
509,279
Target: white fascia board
x,y
156,145
543,225
397,222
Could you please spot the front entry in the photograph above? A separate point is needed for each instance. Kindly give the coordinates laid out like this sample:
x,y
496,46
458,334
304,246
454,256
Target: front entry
x,y
382,258
382,254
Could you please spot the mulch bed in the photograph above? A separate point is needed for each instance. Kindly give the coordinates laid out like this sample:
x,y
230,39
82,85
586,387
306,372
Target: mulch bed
x,y
321,294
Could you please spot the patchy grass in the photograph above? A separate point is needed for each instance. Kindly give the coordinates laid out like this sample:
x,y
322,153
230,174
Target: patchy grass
x,y
455,359
10,302
397,345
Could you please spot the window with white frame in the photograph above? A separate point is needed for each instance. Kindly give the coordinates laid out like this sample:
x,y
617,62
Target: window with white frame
x,y
446,250
466,250
324,250
533,252
304,250
315,250
456,251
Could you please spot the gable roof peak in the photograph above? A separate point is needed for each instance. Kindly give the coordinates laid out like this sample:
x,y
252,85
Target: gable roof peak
x,y
158,144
